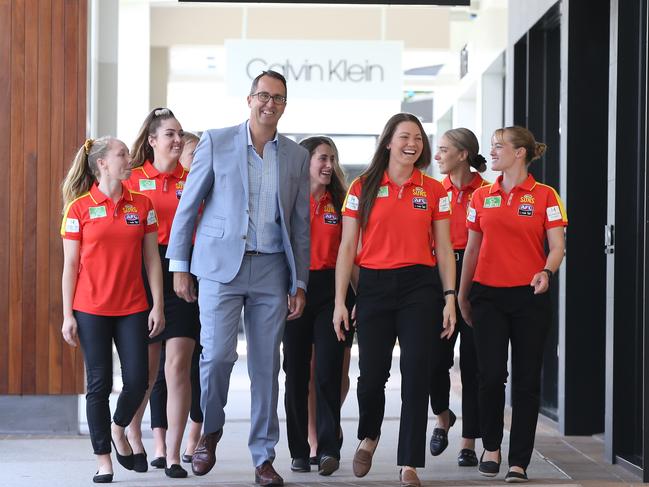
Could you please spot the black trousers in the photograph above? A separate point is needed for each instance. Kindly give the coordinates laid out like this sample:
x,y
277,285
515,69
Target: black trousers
x,y
440,381
502,316
96,335
397,304
158,398
315,328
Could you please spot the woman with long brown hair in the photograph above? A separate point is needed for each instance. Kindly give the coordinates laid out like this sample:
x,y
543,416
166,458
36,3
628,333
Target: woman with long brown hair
x,y
400,214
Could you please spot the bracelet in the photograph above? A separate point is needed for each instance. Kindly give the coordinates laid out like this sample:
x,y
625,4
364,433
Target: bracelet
x,y
450,292
548,272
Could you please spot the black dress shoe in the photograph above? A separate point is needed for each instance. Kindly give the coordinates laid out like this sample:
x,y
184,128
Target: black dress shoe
x,y
176,472
159,462
328,465
300,465
186,458
104,478
439,439
313,460
516,477
125,461
139,462
467,458
489,468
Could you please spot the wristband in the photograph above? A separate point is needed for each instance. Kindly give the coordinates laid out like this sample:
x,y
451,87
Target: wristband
x,y
450,292
548,272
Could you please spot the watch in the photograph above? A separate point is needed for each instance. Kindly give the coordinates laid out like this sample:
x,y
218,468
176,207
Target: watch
x,y
449,292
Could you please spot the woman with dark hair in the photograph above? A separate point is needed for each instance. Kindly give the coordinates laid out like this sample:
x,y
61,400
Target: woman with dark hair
x,y
108,233
457,154
400,214
158,174
503,293
313,329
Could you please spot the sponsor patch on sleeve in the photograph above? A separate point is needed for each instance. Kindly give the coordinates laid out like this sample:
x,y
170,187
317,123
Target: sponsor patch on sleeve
x,y
554,213
72,225
352,202
444,204
151,218
471,214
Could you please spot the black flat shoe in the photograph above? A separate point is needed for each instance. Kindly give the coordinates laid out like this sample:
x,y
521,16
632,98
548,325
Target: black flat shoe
x,y
314,461
516,477
489,468
439,439
125,461
139,462
301,465
176,472
186,458
159,462
467,458
104,478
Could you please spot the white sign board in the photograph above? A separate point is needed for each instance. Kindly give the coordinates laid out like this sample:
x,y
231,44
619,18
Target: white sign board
x,y
319,69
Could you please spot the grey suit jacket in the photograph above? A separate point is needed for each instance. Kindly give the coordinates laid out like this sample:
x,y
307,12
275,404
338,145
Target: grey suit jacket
x,y
219,178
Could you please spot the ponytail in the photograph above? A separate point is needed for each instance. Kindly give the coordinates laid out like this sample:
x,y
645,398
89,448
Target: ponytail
x,y
142,150
83,172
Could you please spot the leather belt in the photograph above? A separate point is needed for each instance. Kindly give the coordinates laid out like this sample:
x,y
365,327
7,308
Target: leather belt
x,y
253,252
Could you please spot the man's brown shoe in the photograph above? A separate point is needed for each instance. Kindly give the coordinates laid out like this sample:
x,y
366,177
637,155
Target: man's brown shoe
x,y
363,460
204,456
409,478
266,475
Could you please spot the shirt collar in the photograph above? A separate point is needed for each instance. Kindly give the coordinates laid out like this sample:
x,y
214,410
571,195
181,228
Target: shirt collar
x,y
474,184
417,177
98,197
527,185
250,144
150,171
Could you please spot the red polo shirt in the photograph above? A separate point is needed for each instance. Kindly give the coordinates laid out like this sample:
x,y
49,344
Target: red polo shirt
x,y
326,230
399,231
513,228
459,199
109,282
164,189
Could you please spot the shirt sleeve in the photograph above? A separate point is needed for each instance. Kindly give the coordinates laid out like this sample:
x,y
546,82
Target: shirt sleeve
x,y
441,203
71,224
472,212
555,213
352,200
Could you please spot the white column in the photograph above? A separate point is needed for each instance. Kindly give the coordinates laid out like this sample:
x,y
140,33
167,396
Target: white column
x,y
133,76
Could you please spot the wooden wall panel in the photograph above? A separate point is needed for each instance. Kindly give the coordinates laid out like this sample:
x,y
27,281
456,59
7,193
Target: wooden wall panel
x,y
43,79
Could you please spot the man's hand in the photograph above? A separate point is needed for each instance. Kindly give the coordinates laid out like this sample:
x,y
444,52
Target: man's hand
x,y
296,304
184,286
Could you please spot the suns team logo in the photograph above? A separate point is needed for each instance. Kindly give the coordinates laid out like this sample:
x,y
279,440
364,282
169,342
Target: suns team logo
x,y
528,198
180,185
128,208
419,191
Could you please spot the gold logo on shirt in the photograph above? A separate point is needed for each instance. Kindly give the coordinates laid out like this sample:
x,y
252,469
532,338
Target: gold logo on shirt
x,y
528,198
419,191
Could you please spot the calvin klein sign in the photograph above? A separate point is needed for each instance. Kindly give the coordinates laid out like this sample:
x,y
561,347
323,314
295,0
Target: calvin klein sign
x,y
319,69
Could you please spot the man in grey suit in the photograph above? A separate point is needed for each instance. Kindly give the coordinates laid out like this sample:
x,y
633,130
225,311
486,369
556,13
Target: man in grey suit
x,y
251,252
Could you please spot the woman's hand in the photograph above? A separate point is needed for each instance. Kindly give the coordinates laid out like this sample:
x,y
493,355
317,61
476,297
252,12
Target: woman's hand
x,y
340,319
449,318
540,282
156,321
465,309
69,331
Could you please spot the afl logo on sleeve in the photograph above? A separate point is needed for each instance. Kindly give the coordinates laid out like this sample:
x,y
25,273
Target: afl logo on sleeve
x,y
444,204
71,225
352,202
554,213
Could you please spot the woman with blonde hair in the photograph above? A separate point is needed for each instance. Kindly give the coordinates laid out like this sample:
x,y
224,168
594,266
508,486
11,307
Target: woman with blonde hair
x,y
108,233
158,174
503,293
459,159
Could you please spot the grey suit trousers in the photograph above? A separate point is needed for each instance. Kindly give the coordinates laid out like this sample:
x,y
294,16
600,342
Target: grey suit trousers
x,y
261,288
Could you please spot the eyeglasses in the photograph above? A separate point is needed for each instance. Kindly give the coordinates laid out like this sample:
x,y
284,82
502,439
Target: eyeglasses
x,y
263,97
